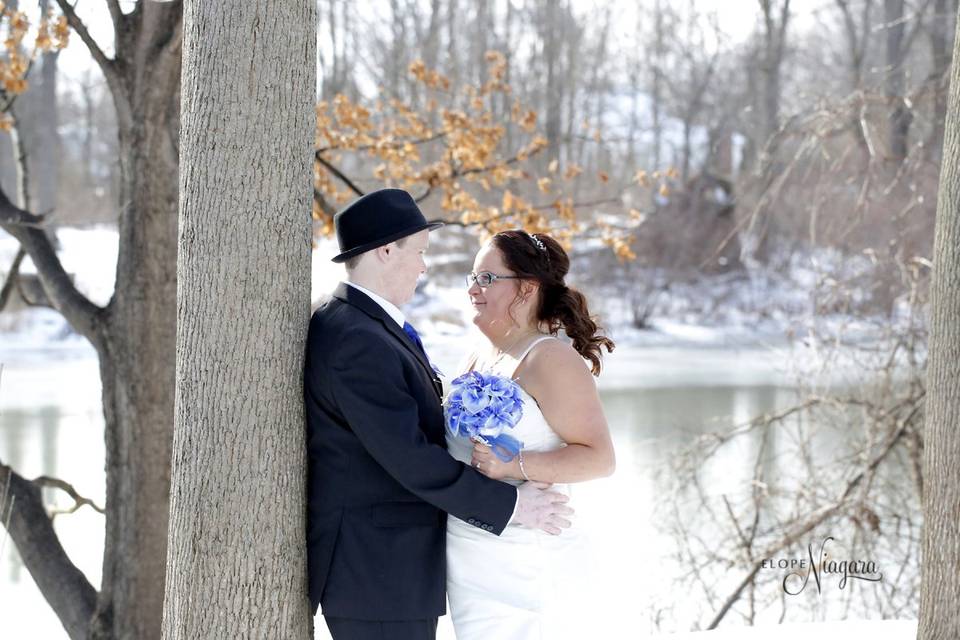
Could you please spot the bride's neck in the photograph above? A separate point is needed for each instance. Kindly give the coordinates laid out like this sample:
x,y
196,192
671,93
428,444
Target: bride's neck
x,y
508,339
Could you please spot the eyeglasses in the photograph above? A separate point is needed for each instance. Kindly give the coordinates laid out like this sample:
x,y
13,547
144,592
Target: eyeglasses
x,y
484,279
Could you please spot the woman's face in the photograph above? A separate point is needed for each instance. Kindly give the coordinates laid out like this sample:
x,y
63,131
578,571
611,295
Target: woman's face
x,y
492,304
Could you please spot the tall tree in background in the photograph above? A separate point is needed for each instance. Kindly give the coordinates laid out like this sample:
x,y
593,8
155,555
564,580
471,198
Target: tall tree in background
x,y
549,23
657,83
895,85
940,568
47,150
939,31
856,30
236,565
776,17
899,39
134,334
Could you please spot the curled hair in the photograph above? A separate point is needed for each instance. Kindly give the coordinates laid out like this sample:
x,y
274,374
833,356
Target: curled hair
x,y
540,258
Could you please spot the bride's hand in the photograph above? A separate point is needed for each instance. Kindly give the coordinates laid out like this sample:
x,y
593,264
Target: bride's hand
x,y
487,463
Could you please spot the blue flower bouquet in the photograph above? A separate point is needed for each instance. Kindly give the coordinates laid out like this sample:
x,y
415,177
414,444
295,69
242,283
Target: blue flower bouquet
x,y
483,407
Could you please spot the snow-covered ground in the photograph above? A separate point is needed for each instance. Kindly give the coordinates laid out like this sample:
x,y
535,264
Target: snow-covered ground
x,y
753,328
752,310
873,629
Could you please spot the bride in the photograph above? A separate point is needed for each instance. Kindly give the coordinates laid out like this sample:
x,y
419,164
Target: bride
x,y
526,584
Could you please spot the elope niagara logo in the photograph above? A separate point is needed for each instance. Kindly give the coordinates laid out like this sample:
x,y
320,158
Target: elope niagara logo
x,y
822,564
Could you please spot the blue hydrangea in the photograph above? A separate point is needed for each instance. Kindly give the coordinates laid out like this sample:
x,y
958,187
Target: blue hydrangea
x,y
483,407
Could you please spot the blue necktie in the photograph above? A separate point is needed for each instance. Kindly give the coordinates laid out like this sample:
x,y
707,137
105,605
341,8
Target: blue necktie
x,y
415,337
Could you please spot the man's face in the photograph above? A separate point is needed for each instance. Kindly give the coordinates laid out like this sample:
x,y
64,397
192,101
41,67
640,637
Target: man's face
x,y
405,266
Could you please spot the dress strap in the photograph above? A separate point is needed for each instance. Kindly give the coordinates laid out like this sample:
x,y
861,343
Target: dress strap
x,y
471,361
528,350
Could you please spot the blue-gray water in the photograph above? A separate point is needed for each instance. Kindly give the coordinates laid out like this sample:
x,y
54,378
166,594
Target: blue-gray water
x,y
656,401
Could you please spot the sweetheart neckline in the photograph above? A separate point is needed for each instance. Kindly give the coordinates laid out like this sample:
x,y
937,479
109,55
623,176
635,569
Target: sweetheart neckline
x,y
513,380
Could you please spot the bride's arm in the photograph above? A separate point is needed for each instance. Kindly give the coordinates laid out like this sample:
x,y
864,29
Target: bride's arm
x,y
558,378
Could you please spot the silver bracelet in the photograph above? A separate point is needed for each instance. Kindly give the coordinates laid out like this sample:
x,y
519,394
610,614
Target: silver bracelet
x,y
522,470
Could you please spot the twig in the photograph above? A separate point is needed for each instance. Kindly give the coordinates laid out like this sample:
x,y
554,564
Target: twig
x,y
79,501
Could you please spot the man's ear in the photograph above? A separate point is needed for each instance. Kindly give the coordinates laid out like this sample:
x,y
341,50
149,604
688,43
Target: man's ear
x,y
383,252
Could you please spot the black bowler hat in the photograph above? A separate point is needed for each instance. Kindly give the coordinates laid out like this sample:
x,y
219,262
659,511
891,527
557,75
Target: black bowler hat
x,y
376,219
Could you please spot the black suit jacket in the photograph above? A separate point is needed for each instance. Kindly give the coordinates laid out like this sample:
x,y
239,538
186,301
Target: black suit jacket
x,y
380,481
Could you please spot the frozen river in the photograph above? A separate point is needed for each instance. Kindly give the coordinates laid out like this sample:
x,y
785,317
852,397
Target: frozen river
x,y
656,399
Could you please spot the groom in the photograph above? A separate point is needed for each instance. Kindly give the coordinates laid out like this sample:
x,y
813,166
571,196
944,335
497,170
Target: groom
x,y
380,481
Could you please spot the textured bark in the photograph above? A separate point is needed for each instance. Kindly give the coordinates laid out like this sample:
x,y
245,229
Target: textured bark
x,y
135,338
236,564
940,569
137,359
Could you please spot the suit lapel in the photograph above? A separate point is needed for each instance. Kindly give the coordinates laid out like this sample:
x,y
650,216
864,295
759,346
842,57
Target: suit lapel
x,y
362,301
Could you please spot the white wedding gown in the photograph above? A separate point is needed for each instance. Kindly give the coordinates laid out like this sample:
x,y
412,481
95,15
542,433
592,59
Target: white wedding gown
x,y
524,584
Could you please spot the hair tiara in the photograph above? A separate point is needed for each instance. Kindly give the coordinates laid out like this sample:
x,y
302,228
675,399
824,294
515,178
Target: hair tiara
x,y
538,243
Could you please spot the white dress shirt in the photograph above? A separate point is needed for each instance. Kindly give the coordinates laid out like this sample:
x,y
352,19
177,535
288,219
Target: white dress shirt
x,y
388,306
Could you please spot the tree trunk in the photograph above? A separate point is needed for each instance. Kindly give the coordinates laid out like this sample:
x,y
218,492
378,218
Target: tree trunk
x,y
431,45
656,98
940,52
236,566
47,154
899,117
134,335
857,36
553,92
940,568
453,41
137,354
774,46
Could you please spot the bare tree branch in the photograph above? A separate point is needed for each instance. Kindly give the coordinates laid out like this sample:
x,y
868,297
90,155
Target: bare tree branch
x,y
12,215
27,300
11,278
63,585
8,99
107,65
816,518
327,208
116,15
918,24
395,145
84,316
329,166
20,159
57,483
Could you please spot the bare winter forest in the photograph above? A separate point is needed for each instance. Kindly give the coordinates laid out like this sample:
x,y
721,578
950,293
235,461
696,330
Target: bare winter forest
x,y
754,171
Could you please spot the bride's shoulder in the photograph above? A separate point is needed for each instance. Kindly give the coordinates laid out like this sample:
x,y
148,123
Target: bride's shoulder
x,y
550,358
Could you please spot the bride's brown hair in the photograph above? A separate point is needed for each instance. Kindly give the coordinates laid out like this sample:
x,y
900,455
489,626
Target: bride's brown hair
x,y
540,258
